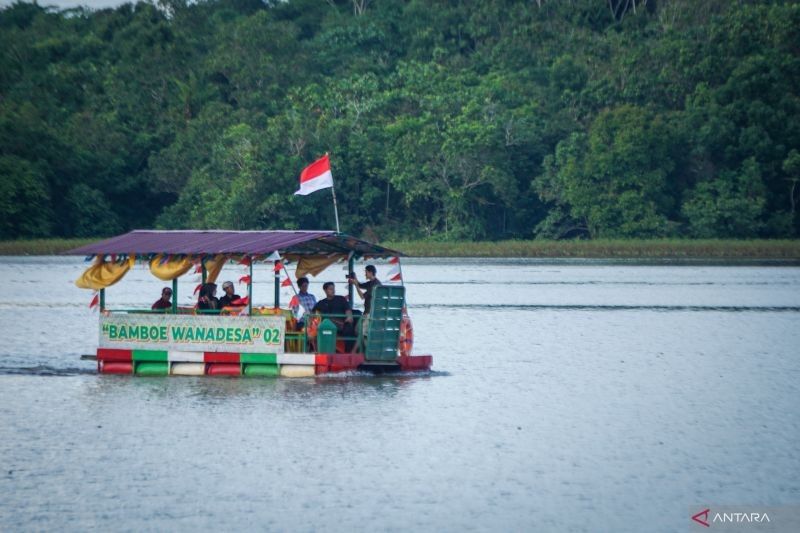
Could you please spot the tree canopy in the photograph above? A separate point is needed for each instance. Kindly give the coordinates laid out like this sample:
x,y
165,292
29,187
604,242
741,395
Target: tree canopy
x,y
444,119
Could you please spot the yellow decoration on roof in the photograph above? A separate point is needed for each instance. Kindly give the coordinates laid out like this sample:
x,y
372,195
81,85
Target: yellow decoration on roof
x,y
314,264
213,267
171,269
101,274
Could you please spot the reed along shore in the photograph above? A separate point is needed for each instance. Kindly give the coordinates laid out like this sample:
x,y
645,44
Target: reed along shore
x,y
629,248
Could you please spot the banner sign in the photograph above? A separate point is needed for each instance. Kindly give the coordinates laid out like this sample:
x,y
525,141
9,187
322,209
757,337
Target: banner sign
x,y
194,333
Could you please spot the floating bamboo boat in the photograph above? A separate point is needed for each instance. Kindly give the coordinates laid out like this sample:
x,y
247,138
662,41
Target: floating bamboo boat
x,y
245,339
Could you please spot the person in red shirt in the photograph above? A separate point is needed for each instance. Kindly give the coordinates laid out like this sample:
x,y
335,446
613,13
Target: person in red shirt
x,y
163,302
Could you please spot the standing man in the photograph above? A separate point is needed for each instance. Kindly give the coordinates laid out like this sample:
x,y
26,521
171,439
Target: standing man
x,y
365,292
164,302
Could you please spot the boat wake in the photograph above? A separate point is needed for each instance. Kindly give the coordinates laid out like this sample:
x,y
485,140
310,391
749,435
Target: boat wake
x,y
584,307
45,370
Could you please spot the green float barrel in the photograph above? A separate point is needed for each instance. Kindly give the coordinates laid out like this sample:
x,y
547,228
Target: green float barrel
x,y
326,337
261,370
148,368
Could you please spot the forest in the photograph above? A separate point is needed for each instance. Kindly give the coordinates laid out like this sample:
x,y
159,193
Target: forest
x,y
445,120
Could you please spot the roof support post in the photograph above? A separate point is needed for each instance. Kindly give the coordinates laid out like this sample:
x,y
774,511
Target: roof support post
x,y
350,288
250,290
102,300
174,295
277,284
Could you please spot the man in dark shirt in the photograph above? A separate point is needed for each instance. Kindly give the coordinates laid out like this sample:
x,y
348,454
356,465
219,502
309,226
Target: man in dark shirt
x,y
163,302
366,294
372,281
338,306
229,297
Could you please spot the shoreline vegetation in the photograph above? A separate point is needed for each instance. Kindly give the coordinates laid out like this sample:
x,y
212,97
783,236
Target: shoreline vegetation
x,y
595,249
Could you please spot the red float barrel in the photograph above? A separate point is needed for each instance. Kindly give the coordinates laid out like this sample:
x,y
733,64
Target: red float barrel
x,y
224,369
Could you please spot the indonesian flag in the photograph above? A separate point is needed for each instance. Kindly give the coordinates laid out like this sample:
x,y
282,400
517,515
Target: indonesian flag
x,y
395,274
95,301
316,176
297,307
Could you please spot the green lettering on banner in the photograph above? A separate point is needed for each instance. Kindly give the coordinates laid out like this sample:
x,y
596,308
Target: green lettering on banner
x,y
272,336
150,331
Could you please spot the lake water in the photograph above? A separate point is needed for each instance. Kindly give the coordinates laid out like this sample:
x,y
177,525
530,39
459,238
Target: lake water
x,y
565,396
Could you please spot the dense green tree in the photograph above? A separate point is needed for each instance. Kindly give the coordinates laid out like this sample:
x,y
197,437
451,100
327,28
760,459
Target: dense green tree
x,y
613,182
444,119
24,200
729,205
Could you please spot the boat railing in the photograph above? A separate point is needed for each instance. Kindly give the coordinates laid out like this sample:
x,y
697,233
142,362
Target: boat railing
x,y
351,340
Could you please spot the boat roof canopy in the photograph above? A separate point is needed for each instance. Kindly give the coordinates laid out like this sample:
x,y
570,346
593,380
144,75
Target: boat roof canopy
x,y
192,242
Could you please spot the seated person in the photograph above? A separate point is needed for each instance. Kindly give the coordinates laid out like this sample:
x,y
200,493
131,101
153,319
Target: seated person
x,y
229,297
163,303
305,302
207,300
338,306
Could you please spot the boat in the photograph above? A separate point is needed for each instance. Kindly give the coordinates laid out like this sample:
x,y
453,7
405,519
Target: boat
x,y
245,339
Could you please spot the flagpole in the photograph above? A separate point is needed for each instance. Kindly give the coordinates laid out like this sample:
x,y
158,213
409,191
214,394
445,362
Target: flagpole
x,y
291,283
335,207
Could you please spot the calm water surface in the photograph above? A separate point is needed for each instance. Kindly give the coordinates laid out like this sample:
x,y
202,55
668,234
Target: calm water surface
x,y
569,396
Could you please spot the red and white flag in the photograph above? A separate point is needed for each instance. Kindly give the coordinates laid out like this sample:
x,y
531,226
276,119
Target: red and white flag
x,y
316,176
95,301
395,272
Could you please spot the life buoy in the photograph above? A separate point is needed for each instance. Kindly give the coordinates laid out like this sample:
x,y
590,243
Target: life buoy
x,y
406,341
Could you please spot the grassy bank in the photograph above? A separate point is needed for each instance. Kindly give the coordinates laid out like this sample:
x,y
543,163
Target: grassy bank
x,y
636,248
666,248
41,246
